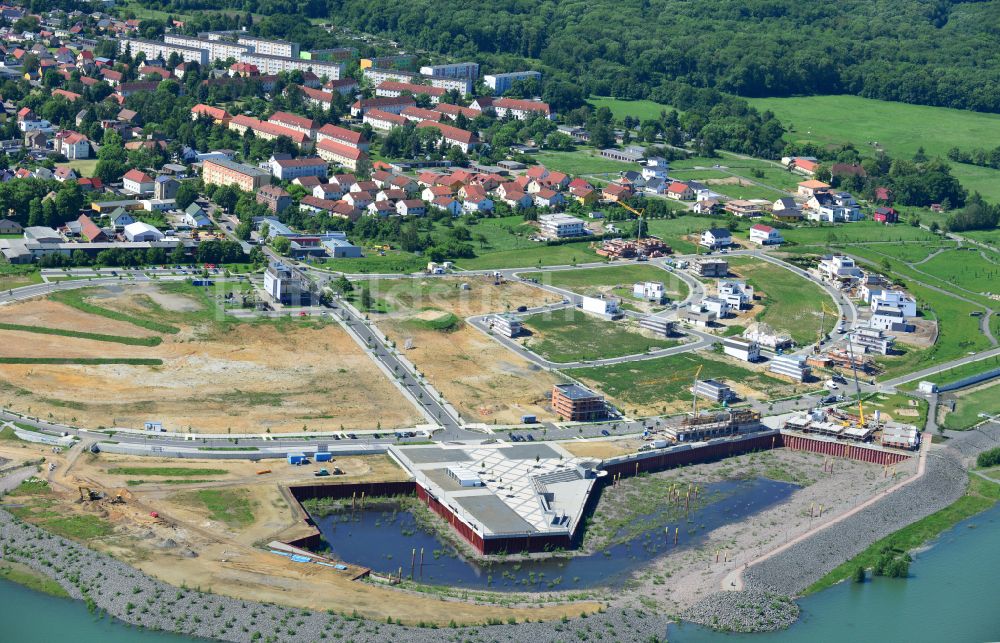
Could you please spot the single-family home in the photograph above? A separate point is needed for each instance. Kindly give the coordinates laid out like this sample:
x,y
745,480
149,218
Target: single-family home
x,y
195,217
765,235
716,238
680,191
812,187
138,182
411,208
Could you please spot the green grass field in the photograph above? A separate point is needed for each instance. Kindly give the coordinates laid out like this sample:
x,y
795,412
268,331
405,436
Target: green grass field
x,y
83,167
372,263
913,251
671,230
571,335
959,372
959,336
584,160
641,109
28,577
588,281
858,232
15,276
500,233
969,405
84,361
537,255
966,269
791,303
980,496
666,380
889,404
746,190
230,506
900,129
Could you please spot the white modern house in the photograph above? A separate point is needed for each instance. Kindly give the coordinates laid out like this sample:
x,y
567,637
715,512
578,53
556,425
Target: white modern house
x,y
839,268
741,349
894,299
716,238
649,290
600,306
765,235
737,294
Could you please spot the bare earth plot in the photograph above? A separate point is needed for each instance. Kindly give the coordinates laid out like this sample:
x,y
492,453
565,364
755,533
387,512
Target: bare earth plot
x,y
485,381
209,535
244,378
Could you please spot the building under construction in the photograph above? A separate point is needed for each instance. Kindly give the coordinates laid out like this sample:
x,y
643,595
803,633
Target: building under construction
x,y
706,426
650,247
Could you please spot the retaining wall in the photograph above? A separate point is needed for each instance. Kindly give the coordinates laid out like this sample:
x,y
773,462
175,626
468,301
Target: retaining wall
x,y
854,451
969,381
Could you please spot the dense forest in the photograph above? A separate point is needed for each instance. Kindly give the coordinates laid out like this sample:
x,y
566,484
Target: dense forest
x,y
933,52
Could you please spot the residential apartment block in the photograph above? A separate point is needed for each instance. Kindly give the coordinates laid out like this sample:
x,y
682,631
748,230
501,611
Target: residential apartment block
x,y
223,172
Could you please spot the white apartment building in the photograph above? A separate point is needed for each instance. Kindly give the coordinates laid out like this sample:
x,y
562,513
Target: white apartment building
x,y
560,226
217,49
270,47
500,83
154,49
872,340
268,65
454,70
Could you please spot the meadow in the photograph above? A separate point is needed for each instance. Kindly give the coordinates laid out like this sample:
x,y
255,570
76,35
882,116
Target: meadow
x,y
571,335
591,280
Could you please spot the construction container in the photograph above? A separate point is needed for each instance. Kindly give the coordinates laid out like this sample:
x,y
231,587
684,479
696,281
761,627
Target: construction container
x,y
323,456
528,419
660,444
294,458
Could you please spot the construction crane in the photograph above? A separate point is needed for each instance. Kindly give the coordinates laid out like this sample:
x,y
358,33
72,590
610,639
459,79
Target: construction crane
x,y
857,385
694,392
638,213
822,322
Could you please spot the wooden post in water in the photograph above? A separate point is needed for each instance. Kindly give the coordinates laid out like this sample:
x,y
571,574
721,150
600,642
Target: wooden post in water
x,y
354,500
362,501
821,511
421,561
400,575
677,530
812,508
413,560
636,468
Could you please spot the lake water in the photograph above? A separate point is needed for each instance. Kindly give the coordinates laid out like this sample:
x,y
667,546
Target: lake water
x,y
384,540
952,596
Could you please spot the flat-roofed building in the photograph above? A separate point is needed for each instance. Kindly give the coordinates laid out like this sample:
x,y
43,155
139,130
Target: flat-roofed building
x,y
223,172
154,49
791,366
290,169
560,226
452,70
270,47
506,325
285,286
741,349
710,267
713,390
872,340
500,83
217,49
575,403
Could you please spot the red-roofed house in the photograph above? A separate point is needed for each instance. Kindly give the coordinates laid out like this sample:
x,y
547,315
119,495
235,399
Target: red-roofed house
x,y
218,115
70,96
383,121
73,145
137,182
294,122
90,230
885,215
393,89
384,103
680,191
411,208
340,154
343,136
417,114
804,166
454,136
615,193
520,109
452,111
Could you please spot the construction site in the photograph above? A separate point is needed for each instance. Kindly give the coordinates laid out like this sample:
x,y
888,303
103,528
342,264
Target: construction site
x,y
160,355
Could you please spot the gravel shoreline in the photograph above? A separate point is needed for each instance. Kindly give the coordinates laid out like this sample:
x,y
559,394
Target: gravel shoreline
x,y
131,596
944,481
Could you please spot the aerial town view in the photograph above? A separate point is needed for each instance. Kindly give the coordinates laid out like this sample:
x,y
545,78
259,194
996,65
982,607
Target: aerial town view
x,y
372,321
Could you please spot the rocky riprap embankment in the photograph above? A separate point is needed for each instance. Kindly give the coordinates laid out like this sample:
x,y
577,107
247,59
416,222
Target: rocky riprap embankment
x,y
132,596
746,611
944,481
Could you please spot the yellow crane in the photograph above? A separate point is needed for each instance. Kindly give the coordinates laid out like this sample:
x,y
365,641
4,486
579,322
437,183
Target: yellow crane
x,y
694,392
638,213
857,386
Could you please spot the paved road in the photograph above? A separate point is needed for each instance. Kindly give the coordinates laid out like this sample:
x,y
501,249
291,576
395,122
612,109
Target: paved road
x,y
934,370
